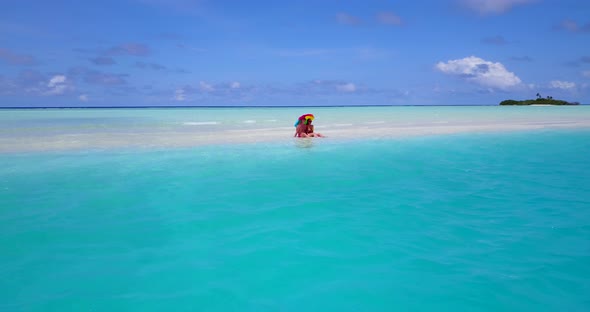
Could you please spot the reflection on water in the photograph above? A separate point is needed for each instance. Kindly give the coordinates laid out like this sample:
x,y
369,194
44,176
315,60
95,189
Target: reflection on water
x,y
304,142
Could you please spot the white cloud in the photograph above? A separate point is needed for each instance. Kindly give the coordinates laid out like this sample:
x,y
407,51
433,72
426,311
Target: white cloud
x,y
328,87
55,80
493,6
57,85
564,85
346,87
235,85
179,95
205,87
479,71
83,97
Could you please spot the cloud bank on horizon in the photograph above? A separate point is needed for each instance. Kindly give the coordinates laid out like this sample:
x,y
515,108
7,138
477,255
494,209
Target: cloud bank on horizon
x,y
200,52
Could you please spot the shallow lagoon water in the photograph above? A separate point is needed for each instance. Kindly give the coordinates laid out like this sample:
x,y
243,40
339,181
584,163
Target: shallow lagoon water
x,y
483,220
87,129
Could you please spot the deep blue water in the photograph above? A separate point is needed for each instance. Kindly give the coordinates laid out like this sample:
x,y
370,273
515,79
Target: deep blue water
x,y
470,222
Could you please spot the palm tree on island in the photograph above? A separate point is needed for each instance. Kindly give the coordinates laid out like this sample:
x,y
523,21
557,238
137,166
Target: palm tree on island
x,y
539,101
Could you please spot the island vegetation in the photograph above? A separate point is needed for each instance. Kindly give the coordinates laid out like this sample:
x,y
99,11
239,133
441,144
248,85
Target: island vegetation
x,y
549,100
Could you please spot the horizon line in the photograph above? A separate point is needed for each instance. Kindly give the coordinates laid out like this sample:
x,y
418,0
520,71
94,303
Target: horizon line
x,y
228,106
247,106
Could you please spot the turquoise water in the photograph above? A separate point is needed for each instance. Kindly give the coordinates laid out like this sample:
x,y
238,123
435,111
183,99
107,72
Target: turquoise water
x,y
463,222
84,129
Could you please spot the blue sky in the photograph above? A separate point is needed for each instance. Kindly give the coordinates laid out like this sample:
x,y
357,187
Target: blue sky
x,y
322,52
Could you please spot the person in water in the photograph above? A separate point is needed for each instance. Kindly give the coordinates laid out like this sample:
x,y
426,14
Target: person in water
x,y
309,130
301,129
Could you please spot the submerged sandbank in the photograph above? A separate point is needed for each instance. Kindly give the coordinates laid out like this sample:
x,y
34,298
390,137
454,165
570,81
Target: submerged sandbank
x,y
181,137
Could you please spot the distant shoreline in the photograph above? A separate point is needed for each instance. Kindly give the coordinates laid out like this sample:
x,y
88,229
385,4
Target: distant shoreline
x,y
260,106
549,101
226,106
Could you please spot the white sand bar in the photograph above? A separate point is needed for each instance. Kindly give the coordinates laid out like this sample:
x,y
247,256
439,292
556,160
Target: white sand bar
x,y
81,129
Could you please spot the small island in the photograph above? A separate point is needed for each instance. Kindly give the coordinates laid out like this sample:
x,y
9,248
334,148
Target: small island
x,y
539,101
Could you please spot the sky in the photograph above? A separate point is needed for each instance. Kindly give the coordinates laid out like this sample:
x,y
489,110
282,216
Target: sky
x,y
292,53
